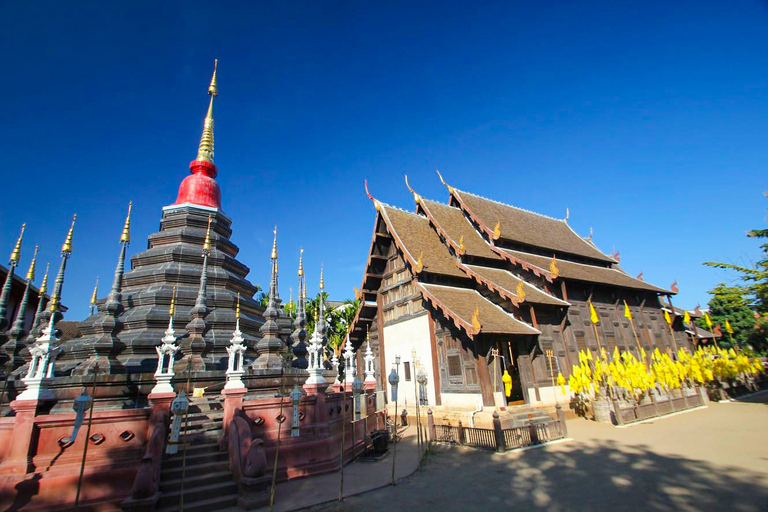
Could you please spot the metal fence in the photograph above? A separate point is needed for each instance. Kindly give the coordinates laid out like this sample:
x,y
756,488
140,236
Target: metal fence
x,y
500,439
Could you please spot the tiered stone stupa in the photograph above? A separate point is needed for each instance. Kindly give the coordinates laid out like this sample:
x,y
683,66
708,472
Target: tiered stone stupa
x,y
129,324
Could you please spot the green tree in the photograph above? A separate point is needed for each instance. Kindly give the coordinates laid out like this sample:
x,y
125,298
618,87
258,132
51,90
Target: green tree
x,y
337,319
729,303
753,292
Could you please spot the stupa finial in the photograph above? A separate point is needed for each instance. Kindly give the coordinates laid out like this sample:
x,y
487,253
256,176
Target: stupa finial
x,y
67,247
207,242
31,271
125,237
94,296
44,284
322,279
301,264
205,150
16,253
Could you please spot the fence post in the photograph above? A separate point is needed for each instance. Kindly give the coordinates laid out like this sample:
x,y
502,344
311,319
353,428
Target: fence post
x,y
561,419
653,401
498,433
431,426
617,413
532,430
460,436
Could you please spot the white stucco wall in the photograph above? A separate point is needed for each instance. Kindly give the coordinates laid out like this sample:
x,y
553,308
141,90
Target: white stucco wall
x,y
401,339
549,395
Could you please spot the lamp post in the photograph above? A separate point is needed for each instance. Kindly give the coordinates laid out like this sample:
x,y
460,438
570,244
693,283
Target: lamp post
x,y
422,378
394,378
416,400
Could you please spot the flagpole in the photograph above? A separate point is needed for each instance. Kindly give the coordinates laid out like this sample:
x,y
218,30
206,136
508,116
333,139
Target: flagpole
x,y
671,321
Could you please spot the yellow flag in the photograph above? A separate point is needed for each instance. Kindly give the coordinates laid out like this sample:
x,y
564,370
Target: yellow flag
x,y
667,317
593,314
708,320
728,326
507,380
198,392
687,318
561,381
627,312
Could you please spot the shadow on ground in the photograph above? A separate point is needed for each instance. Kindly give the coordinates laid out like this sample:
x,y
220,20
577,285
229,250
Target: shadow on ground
x,y
601,476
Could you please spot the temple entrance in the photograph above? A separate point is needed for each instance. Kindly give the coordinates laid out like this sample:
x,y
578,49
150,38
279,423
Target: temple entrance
x,y
510,351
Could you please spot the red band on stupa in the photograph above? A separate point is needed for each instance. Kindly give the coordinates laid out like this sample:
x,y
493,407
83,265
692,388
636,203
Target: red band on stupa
x,y
200,187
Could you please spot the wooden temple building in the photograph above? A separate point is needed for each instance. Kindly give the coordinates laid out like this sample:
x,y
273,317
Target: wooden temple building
x,y
463,290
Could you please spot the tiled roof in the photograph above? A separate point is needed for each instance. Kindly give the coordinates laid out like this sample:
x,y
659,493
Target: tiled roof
x,y
455,225
461,303
509,282
416,236
588,273
529,228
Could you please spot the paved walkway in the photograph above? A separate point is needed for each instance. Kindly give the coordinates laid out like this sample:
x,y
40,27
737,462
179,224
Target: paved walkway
x,y
709,459
359,477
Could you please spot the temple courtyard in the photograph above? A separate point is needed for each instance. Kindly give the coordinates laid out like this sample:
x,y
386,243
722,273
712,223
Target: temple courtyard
x,y
706,459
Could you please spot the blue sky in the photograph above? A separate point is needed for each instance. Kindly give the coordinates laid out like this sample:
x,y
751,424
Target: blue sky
x,y
649,120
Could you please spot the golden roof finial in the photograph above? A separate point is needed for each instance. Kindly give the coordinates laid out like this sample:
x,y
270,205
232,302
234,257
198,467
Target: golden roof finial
x,y
237,309
301,264
419,263
16,253
376,203
322,280
44,284
476,325
31,271
520,292
416,197
207,242
450,188
95,292
67,247
553,270
497,230
172,307
205,150
125,237
462,249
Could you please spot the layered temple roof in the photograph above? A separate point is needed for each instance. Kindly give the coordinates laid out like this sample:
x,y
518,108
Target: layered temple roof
x,y
478,260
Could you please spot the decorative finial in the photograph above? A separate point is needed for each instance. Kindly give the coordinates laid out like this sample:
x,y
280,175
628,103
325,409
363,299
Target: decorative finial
x,y
172,307
67,247
462,249
476,325
322,280
274,244
553,270
301,264
125,237
16,253
205,150
31,271
207,243
237,308
419,263
450,188
520,292
567,214
44,284
376,203
591,232
416,197
497,230
95,293
674,287
640,276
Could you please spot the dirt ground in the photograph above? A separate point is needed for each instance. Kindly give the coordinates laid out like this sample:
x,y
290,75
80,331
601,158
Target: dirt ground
x,y
708,459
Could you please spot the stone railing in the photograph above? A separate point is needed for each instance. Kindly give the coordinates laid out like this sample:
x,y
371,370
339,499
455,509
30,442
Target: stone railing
x,y
655,408
248,462
499,439
146,486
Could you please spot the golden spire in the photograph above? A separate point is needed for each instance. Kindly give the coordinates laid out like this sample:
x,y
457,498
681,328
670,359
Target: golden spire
x,y
172,308
67,247
304,292
31,271
301,264
205,150
237,308
416,197
16,253
95,292
322,281
462,249
126,236
274,244
450,188
44,284
207,242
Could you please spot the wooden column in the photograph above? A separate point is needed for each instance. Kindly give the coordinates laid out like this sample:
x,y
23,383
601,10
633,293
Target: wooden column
x,y
484,377
435,363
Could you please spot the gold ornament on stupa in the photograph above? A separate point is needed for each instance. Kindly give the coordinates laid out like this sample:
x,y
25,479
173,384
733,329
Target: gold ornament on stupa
x,y
125,237
16,253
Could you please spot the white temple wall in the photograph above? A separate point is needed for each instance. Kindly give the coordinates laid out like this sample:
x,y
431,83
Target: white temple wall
x,y
401,339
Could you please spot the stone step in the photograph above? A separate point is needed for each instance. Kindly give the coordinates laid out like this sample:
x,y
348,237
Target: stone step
x,y
176,461
195,478
173,473
199,498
